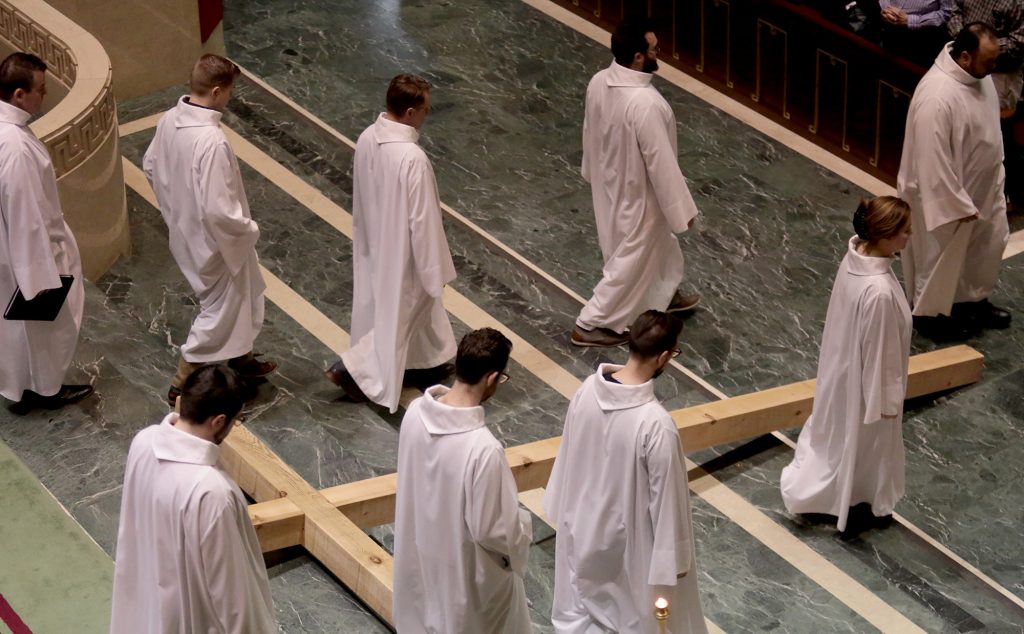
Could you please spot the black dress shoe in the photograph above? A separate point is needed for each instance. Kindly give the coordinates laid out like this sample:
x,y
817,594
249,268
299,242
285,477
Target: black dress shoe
x,y
428,377
984,314
338,375
66,395
945,328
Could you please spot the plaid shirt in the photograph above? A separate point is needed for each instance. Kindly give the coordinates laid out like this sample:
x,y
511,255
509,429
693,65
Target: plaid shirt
x,y
922,13
1005,16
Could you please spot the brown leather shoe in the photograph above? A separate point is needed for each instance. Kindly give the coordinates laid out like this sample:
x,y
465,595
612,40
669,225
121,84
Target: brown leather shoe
x,y
597,338
66,395
682,303
338,375
172,396
250,366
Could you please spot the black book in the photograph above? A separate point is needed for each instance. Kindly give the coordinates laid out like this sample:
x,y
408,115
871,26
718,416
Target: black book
x,y
43,307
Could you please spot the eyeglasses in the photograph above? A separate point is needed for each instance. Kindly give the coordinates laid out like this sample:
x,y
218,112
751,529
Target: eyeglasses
x,y
675,353
654,51
503,378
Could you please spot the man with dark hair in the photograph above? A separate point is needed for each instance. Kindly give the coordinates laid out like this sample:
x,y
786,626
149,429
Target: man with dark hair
x,y
195,176
952,175
37,249
640,196
400,258
188,559
619,500
461,540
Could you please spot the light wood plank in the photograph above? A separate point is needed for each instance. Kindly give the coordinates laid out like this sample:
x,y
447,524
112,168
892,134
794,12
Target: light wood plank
x,y
372,502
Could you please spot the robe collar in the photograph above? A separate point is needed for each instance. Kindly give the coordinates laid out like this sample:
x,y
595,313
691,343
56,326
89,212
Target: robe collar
x,y
619,75
948,65
387,131
616,396
187,115
176,445
858,264
13,114
439,418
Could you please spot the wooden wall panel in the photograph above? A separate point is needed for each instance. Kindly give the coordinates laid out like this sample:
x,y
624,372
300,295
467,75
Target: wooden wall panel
x,y
788,62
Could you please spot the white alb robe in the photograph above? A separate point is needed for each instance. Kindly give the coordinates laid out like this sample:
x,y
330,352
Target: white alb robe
x,y
195,176
401,263
641,200
952,168
619,498
846,453
188,559
461,540
36,247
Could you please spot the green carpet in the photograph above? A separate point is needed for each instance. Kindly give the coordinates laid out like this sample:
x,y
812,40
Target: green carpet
x,y
51,572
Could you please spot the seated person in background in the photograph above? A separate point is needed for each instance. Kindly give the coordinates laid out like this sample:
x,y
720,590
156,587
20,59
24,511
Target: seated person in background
x,y
913,29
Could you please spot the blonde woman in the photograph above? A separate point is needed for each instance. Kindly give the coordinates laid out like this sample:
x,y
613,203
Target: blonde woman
x,y
851,448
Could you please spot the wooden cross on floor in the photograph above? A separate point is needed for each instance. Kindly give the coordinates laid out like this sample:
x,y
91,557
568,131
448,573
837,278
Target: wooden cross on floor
x,y
330,523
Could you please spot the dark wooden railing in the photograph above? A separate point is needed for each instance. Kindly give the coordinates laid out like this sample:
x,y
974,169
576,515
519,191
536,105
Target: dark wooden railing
x,y
787,62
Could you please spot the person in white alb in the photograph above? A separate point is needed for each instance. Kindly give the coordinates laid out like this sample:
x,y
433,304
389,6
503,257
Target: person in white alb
x,y
619,499
461,540
400,331
850,451
951,174
188,559
36,248
640,195
195,176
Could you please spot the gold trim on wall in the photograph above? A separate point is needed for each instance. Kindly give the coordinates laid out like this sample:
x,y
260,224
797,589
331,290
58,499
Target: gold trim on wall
x,y
773,30
878,117
728,39
833,60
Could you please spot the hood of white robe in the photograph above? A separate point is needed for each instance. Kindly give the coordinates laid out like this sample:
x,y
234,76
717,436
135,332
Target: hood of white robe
x,y
13,114
948,65
619,75
188,115
858,264
176,445
439,418
615,396
387,131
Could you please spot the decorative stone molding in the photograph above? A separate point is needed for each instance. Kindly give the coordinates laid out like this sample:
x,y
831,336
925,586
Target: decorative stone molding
x,y
27,35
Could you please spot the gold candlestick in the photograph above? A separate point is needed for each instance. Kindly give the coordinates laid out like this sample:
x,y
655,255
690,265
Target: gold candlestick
x,y
661,614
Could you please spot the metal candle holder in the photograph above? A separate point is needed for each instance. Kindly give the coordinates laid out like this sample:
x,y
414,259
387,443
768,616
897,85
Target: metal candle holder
x,y
661,614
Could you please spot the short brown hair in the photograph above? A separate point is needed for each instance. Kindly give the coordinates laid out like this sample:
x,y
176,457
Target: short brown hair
x,y
481,352
18,71
880,217
406,91
653,333
212,71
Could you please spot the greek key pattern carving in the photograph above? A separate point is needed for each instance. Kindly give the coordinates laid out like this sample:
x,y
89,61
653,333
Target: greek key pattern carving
x,y
74,143
71,144
26,35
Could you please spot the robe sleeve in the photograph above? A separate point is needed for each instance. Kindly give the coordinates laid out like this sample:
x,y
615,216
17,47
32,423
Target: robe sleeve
x,y
495,521
883,357
225,214
431,257
29,248
936,18
672,554
233,588
150,157
663,171
552,501
943,197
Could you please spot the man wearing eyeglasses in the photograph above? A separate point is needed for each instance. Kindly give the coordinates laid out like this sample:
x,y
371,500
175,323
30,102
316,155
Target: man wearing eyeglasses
x,y
640,196
461,540
619,500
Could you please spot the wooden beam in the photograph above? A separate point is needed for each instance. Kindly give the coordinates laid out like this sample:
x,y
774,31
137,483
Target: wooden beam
x,y
359,562
372,502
